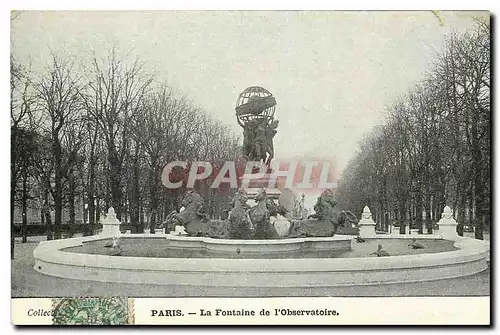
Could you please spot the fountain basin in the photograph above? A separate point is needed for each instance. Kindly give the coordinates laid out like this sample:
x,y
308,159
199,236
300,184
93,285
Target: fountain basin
x,y
52,259
261,246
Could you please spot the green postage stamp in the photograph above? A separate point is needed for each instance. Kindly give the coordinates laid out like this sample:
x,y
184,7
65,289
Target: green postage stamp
x,y
92,311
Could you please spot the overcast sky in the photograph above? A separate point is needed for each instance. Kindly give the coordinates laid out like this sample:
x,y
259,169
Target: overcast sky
x,y
332,73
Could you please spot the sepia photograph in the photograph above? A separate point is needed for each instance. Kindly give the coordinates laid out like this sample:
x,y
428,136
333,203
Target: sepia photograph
x,y
249,167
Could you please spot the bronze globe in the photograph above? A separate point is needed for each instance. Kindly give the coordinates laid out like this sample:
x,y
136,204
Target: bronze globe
x,y
255,103
255,114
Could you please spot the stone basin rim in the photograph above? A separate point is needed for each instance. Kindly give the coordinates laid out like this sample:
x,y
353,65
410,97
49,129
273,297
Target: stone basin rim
x,y
310,272
450,255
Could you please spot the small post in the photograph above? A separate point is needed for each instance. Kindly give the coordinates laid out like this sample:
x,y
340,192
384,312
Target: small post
x,y
447,224
24,230
366,224
111,225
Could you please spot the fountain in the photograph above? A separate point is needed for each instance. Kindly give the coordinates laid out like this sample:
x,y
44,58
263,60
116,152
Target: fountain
x,y
246,250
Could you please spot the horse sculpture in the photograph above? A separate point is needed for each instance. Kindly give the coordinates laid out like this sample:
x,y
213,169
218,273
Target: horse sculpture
x,y
192,218
260,217
244,222
239,224
346,219
347,223
325,222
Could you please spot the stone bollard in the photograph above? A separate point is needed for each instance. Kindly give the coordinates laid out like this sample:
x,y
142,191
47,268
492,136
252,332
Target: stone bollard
x,y
111,225
447,224
366,224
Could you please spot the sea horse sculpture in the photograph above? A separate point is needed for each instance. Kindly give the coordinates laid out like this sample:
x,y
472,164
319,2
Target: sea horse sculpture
x,y
347,219
260,218
324,206
239,224
193,217
323,223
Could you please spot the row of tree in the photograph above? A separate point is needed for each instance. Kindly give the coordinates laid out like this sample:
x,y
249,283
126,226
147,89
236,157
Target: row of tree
x,y
434,150
103,133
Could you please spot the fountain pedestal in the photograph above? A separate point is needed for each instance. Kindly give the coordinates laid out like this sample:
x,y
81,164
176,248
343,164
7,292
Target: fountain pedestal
x,y
252,185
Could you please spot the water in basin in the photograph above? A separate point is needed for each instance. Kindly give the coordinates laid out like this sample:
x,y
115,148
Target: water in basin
x,y
159,248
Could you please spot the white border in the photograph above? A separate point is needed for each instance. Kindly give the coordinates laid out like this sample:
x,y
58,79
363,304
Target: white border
x,y
264,4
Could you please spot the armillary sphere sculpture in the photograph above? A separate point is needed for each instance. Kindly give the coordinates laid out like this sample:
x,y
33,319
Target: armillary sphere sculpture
x,y
255,114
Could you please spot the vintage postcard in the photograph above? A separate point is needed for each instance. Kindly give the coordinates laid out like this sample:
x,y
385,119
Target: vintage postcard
x,y
250,167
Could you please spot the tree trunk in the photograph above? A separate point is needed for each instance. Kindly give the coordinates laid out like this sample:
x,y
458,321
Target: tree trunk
x,y
427,208
57,214
418,214
58,198
141,217
479,221
134,193
377,219
386,222
410,219
71,199
85,212
461,211
115,180
97,210
152,221
401,217
25,208
91,208
46,212
478,180
153,201
12,210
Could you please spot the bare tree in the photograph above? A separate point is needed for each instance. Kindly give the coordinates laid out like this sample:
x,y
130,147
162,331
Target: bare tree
x,y
105,135
116,90
22,137
435,145
58,97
